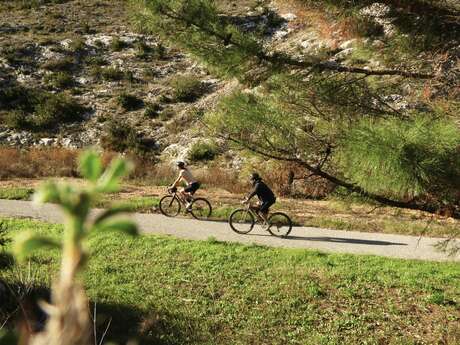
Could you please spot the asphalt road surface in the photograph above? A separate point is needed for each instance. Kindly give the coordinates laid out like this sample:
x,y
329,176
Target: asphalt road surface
x,y
326,240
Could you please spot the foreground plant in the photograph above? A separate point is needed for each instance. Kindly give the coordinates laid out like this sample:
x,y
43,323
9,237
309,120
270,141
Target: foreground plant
x,y
69,316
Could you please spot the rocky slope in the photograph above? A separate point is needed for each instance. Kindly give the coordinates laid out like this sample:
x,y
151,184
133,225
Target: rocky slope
x,y
89,51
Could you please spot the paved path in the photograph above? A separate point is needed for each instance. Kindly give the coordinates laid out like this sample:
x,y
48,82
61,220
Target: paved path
x,y
397,246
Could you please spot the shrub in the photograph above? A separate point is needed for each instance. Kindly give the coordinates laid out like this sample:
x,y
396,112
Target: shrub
x,y
124,138
56,109
129,102
187,88
203,151
143,50
17,119
59,80
152,110
167,114
78,45
96,61
64,64
112,73
117,45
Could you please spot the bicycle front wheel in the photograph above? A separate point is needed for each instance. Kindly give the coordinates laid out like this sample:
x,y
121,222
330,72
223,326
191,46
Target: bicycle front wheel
x,y
241,221
201,209
280,225
169,206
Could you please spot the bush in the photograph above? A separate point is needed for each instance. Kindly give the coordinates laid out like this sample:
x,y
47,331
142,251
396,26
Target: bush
x,y
187,88
112,73
167,114
367,27
78,45
143,50
203,151
124,138
108,74
129,102
117,45
96,61
64,64
56,109
152,110
17,119
59,80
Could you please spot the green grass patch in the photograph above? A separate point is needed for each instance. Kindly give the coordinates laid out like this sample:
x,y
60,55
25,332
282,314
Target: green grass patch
x,y
168,291
137,204
14,193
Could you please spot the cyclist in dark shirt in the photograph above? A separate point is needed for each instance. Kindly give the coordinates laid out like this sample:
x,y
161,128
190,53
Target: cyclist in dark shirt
x,y
264,193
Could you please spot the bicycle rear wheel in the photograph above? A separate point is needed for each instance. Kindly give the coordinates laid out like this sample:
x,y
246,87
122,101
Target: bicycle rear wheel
x,y
280,225
241,221
201,209
170,206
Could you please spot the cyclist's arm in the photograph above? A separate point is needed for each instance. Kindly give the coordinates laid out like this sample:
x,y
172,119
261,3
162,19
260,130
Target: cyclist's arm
x,y
176,183
252,194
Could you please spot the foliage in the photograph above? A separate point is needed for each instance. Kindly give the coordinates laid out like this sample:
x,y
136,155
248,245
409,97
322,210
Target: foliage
x,y
403,158
186,88
203,151
117,44
59,80
64,64
152,110
129,102
37,110
121,137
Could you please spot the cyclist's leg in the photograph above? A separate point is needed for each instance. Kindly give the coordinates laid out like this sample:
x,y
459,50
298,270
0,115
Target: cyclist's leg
x,y
265,208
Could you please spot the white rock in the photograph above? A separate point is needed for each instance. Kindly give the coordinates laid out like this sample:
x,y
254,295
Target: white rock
x,y
46,141
66,43
347,44
280,34
344,53
376,9
288,16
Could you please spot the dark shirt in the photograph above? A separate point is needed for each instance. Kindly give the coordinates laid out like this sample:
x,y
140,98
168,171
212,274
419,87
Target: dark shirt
x,y
263,192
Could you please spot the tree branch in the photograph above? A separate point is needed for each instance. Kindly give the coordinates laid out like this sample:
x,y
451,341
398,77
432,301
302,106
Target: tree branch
x,y
280,59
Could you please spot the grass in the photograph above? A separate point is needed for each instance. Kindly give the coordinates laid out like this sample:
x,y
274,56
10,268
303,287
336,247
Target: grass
x,y
15,193
167,291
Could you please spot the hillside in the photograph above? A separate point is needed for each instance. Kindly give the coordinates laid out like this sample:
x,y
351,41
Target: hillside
x,y
313,85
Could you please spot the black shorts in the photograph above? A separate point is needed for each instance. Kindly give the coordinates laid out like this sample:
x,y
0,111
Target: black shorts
x,y
192,188
265,206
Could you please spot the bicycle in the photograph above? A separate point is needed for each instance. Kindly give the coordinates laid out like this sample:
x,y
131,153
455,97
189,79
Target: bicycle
x,y
242,221
171,204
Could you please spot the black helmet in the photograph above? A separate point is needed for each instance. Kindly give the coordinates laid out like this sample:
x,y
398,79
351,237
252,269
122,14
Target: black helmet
x,y
255,177
180,164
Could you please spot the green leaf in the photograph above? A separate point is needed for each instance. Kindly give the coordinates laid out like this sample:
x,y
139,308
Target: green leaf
x,y
110,180
27,242
48,192
90,165
110,213
125,226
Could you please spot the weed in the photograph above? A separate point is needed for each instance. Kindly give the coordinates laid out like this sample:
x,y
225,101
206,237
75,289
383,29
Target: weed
x,y
59,80
64,64
96,60
78,45
117,44
186,88
152,110
129,102
167,114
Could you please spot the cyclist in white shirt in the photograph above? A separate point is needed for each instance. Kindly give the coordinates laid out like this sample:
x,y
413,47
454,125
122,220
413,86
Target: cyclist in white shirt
x,y
192,184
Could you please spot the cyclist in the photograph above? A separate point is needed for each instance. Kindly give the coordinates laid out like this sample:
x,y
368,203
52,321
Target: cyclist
x,y
192,184
264,193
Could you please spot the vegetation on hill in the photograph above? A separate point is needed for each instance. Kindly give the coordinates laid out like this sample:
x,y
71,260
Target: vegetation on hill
x,y
335,120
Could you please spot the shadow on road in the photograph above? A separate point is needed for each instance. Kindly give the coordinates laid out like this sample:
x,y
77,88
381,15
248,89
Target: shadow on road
x,y
338,240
